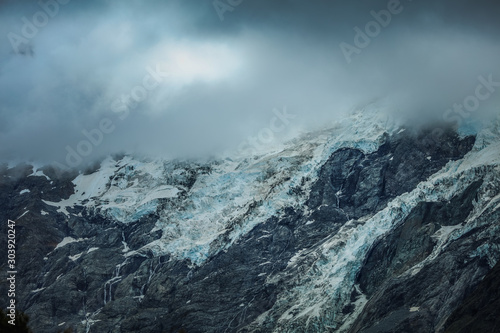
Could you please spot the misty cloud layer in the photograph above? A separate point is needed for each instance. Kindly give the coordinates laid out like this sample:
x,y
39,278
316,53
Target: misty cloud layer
x,y
225,77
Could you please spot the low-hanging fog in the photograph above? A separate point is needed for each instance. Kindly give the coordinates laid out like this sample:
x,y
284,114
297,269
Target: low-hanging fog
x,y
208,75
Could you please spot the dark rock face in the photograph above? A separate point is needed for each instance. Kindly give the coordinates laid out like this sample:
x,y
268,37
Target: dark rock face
x,y
91,286
391,291
480,311
358,184
411,242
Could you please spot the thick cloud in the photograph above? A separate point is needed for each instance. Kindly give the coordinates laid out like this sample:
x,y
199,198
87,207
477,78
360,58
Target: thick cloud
x,y
227,79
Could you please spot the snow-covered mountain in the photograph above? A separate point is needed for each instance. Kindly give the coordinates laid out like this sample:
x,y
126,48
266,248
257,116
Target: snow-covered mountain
x,y
367,226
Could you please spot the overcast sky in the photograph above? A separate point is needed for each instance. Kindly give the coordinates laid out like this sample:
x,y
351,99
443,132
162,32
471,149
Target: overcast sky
x,y
220,71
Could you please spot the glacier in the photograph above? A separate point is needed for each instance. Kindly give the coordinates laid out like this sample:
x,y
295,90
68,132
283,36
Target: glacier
x,y
229,197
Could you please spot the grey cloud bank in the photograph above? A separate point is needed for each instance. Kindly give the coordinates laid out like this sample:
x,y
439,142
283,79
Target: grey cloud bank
x,y
87,61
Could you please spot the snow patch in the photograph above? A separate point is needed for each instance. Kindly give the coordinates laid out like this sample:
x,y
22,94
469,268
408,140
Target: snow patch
x,y
38,173
124,190
444,233
76,256
26,212
69,240
38,290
